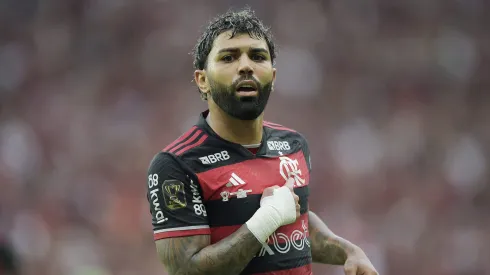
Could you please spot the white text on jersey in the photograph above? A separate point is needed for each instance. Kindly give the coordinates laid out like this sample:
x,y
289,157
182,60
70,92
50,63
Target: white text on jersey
x,y
278,145
199,208
152,183
221,156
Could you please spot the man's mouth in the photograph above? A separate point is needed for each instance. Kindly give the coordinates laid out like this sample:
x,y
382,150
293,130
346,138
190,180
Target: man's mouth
x,y
244,91
247,88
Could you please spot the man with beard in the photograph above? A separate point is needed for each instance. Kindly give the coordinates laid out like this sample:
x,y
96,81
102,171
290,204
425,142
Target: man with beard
x,y
230,196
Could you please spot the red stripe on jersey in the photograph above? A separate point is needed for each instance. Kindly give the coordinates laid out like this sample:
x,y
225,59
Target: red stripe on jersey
x,y
180,139
221,232
181,233
277,127
253,150
253,173
199,142
302,270
190,140
272,123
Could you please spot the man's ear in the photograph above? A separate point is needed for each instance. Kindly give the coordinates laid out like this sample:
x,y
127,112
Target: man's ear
x,y
201,81
273,78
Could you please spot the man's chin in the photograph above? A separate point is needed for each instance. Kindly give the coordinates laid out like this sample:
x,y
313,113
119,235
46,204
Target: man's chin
x,y
247,117
247,98
250,114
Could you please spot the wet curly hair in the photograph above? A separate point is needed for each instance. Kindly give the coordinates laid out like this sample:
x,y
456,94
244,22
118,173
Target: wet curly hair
x,y
239,22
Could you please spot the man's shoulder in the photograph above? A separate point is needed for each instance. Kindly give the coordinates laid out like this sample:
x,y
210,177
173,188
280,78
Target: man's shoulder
x,y
278,130
185,152
192,139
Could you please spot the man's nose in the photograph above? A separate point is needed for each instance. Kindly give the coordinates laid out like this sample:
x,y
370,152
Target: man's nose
x,y
245,67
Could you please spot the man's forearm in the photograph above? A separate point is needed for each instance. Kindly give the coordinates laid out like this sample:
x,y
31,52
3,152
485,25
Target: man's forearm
x,y
326,247
228,256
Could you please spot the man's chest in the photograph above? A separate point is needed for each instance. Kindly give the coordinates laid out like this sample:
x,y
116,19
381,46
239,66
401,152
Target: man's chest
x,y
232,193
249,178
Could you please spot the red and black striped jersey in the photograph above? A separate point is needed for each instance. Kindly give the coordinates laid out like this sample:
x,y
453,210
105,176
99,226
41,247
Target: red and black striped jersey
x,y
203,184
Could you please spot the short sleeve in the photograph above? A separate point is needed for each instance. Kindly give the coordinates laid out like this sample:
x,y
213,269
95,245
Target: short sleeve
x,y
175,200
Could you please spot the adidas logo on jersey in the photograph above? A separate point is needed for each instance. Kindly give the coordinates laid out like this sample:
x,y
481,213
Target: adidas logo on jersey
x,y
235,181
221,156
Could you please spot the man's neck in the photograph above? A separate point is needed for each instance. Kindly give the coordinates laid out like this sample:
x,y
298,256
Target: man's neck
x,y
243,132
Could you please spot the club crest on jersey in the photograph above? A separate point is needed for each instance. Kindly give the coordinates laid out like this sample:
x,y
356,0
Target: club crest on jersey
x,y
289,168
174,194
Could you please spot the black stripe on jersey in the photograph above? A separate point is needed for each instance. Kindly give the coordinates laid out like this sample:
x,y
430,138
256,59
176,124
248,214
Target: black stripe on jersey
x,y
238,211
239,153
279,261
184,138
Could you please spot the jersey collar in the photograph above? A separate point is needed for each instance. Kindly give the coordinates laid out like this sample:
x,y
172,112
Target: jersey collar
x,y
203,124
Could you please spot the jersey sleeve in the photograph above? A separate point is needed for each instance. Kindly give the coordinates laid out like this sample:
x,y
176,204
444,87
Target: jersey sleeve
x,y
306,152
175,200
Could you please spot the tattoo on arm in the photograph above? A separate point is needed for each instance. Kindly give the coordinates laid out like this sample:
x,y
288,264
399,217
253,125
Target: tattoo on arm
x,y
194,255
326,247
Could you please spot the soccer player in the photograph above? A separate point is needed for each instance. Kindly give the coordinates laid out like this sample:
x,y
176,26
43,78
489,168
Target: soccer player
x,y
230,196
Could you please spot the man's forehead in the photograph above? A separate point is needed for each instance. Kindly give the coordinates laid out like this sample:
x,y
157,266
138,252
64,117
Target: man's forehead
x,y
241,41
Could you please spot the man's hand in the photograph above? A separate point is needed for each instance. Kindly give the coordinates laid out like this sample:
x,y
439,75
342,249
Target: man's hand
x,y
278,207
290,185
328,248
269,191
358,264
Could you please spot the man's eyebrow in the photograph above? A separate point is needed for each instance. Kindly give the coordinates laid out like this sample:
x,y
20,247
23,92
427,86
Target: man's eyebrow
x,y
236,50
259,50
229,50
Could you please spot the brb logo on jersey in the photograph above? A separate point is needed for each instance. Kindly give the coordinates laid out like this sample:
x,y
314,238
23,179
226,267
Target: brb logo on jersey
x,y
221,156
289,168
278,145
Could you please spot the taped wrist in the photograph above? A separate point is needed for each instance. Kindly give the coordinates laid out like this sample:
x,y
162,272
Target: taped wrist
x,y
275,211
264,222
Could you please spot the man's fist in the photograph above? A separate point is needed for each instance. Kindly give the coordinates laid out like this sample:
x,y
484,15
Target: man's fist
x,y
278,206
290,185
275,192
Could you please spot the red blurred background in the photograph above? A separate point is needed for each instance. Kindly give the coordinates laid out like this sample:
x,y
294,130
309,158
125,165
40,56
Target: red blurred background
x,y
392,95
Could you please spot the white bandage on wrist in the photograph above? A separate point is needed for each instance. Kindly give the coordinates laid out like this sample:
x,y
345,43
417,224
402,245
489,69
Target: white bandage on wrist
x,y
275,211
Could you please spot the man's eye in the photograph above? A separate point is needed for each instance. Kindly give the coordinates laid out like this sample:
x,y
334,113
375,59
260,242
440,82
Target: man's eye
x,y
227,58
258,57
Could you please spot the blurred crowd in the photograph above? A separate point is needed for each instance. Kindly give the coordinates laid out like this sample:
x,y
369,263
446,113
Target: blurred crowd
x,y
392,95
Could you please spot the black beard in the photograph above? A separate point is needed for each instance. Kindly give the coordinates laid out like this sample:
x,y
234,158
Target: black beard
x,y
240,107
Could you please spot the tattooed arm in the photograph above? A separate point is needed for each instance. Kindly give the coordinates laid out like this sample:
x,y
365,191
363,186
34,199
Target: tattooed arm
x,y
177,210
194,255
181,225
326,247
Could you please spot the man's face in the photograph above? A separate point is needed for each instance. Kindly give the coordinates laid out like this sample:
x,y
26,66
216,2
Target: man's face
x,y
239,75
